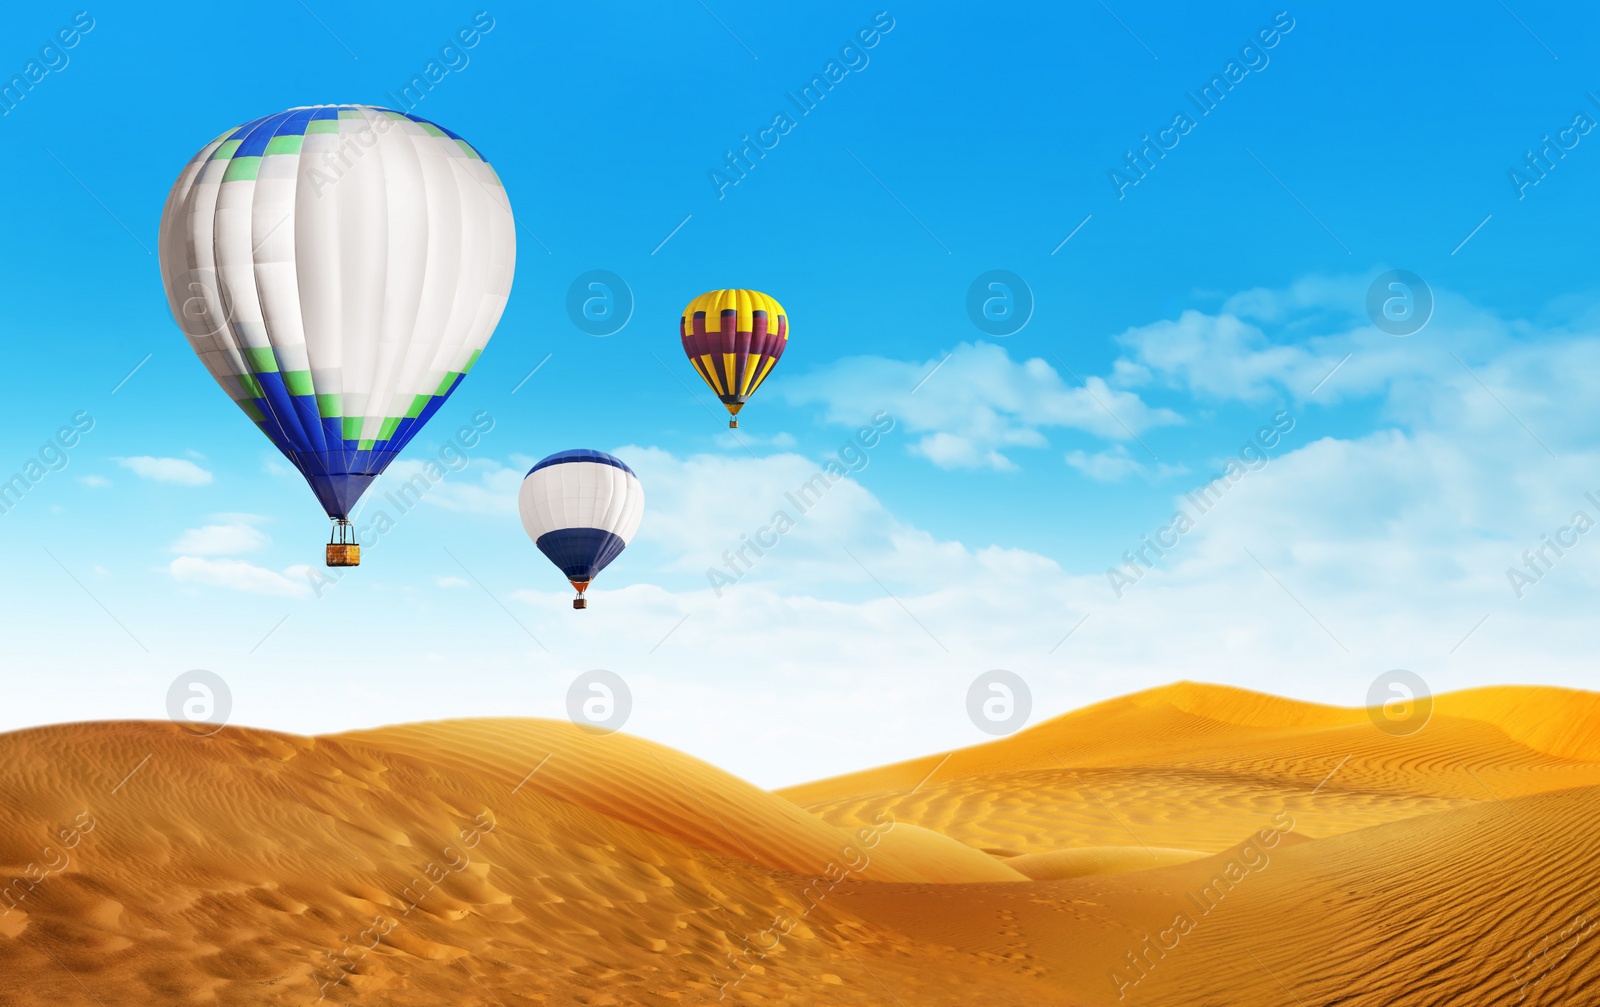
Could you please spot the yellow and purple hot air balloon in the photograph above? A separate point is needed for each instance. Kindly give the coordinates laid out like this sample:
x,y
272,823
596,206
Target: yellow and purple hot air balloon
x,y
734,338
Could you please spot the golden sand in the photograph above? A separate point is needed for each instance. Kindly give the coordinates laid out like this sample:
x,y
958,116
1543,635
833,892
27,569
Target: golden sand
x,y
1188,845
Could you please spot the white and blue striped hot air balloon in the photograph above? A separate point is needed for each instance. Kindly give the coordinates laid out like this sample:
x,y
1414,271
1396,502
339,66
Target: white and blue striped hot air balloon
x,y
581,508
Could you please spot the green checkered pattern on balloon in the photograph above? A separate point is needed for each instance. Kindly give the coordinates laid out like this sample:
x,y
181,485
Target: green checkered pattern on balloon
x,y
244,147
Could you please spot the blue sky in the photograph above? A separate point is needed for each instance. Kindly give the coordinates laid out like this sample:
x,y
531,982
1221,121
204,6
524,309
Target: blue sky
x,y
1197,304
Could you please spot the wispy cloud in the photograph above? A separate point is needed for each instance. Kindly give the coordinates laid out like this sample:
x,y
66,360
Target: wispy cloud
x,y
978,403
239,575
236,536
166,470
481,487
1116,463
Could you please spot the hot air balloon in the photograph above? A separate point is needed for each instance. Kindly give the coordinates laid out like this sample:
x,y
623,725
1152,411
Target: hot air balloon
x,y
581,508
338,269
734,338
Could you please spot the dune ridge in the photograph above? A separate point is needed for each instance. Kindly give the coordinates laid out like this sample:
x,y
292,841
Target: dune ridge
x,y
1564,723
666,792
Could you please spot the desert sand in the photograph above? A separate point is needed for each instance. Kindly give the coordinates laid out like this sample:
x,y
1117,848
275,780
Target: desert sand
x,y
1189,845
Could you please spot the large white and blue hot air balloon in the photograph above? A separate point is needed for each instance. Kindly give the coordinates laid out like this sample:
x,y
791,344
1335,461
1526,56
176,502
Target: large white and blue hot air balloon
x,y
581,508
338,269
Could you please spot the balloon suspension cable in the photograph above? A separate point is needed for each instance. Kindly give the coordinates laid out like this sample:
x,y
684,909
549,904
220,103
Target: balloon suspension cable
x,y
343,532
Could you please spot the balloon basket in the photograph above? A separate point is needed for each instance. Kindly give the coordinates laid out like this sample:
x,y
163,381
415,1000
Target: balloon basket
x,y
343,550
733,424
580,603
344,554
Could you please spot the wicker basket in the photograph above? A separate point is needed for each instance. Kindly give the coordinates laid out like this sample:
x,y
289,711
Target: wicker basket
x,y
344,554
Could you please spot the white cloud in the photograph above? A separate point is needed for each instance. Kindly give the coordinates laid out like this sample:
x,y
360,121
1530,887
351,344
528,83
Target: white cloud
x,y
166,470
1319,328
972,405
953,451
705,506
236,536
1326,302
481,486
95,482
242,576
1116,463
1103,466
450,582
780,441
1219,357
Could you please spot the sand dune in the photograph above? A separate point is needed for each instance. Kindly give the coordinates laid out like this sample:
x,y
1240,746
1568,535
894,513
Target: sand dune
x,y
1195,767
654,788
1081,861
1187,845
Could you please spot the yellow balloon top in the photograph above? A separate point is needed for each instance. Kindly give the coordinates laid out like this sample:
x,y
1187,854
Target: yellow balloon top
x,y
746,302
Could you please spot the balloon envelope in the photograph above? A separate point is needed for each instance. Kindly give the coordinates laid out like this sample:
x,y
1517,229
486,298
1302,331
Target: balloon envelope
x,y
581,508
338,269
734,338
